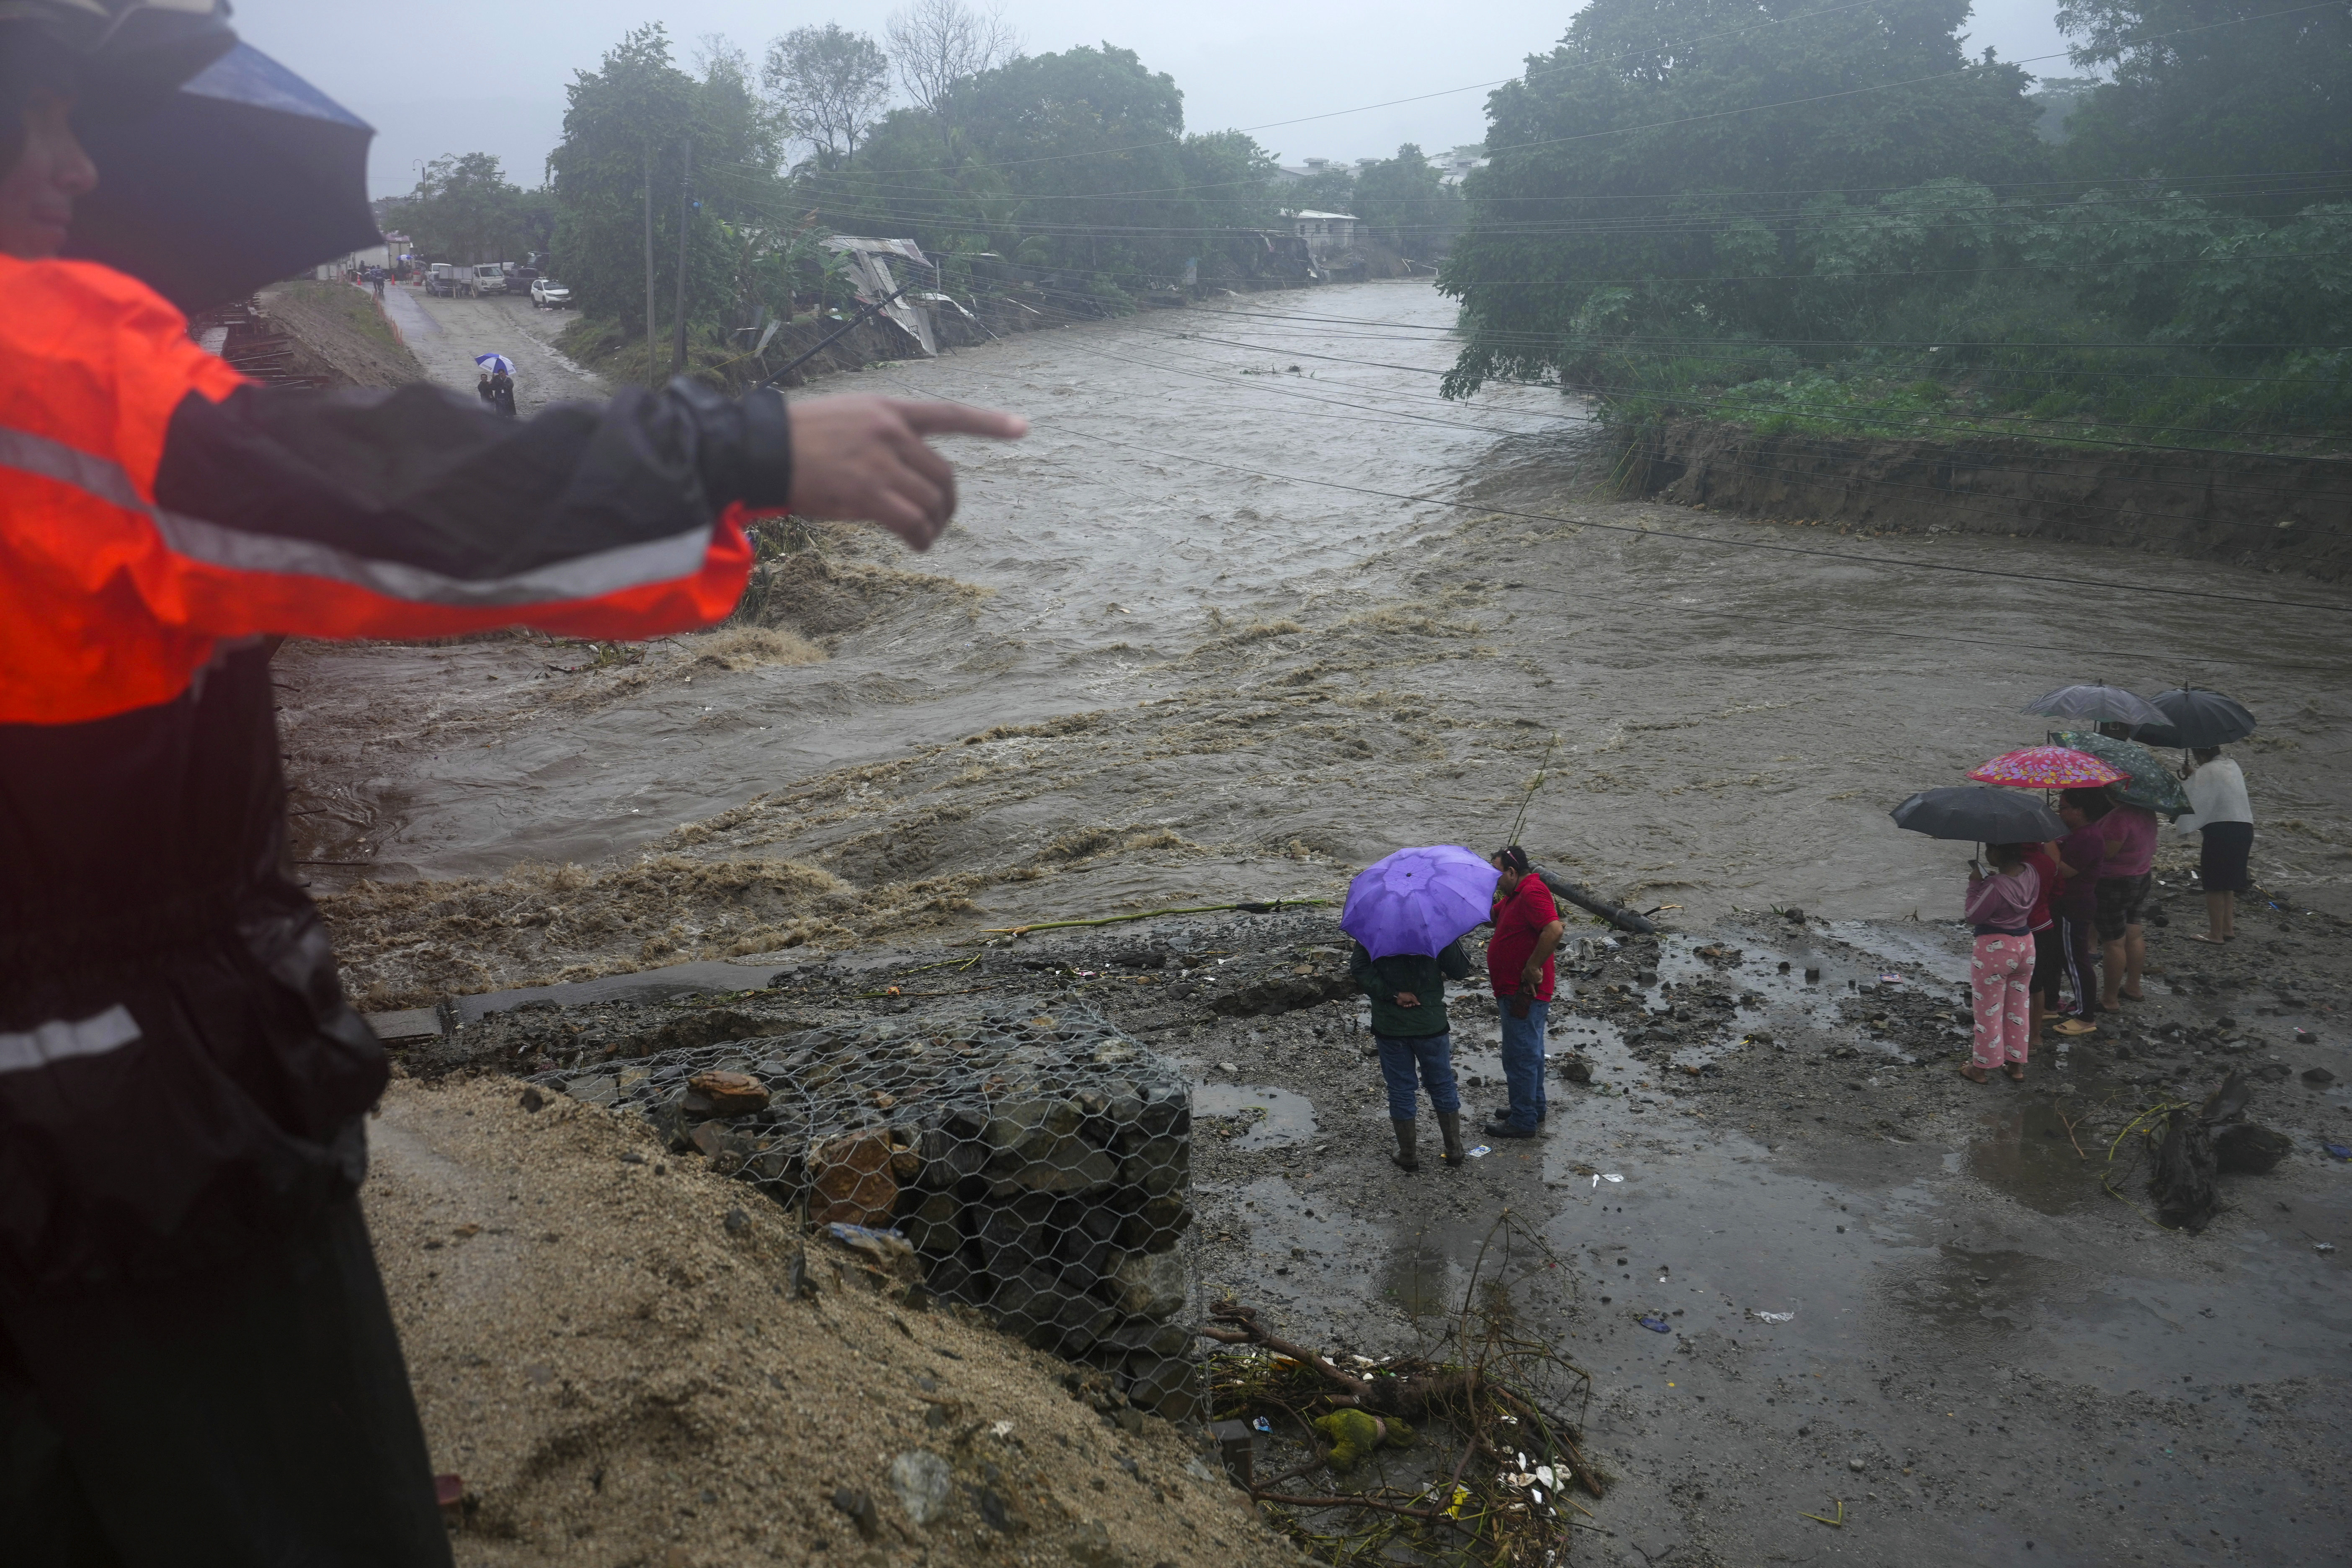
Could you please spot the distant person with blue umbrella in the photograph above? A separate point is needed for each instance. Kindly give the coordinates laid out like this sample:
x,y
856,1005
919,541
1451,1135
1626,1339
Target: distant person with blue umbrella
x,y
1408,914
497,387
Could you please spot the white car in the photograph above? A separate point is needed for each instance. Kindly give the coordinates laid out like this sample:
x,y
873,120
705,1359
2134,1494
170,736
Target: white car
x,y
549,295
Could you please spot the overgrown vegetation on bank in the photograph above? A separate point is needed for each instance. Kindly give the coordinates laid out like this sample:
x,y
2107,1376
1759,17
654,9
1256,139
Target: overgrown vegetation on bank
x,y
1839,221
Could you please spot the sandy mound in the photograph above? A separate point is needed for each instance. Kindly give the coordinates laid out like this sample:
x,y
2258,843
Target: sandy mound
x,y
610,1355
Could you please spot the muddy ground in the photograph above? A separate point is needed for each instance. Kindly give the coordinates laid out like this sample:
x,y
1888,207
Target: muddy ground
x,y
1984,1353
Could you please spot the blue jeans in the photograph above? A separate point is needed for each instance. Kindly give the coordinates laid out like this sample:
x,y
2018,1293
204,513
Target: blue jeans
x,y
1523,1061
1433,1055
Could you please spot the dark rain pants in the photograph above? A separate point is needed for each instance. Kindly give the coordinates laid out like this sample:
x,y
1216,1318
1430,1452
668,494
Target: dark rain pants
x,y
255,1416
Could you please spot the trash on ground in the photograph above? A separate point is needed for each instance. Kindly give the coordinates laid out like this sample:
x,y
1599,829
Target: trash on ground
x,y
2250,1149
1482,1151
1657,1325
1263,1425
2338,1151
1608,1176
1773,1317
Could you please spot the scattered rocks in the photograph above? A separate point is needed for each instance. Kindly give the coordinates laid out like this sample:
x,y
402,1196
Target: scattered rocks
x,y
859,1507
2318,1076
1036,1167
725,1094
924,1484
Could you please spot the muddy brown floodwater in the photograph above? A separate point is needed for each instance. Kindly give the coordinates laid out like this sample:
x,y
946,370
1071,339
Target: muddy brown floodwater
x,y
1190,644
1143,669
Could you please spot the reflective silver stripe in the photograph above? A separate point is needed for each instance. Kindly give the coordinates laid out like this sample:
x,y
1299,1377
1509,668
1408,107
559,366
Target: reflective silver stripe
x,y
581,577
58,1040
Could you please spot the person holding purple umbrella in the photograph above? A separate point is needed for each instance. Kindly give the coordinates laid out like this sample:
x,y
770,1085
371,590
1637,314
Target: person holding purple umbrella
x,y
1408,913
1414,1038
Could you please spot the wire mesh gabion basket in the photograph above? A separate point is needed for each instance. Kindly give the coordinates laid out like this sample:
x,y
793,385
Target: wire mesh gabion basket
x,y
1040,1166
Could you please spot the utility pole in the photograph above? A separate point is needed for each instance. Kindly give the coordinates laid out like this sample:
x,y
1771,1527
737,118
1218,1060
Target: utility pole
x,y
684,195
649,261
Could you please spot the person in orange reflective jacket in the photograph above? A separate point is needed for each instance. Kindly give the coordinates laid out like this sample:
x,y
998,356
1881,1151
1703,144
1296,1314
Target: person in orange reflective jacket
x,y
198,1364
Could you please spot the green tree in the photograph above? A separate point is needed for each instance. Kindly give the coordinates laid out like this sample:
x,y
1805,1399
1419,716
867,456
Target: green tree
x,y
1406,204
464,209
1329,189
1072,163
1648,136
2262,93
626,135
832,83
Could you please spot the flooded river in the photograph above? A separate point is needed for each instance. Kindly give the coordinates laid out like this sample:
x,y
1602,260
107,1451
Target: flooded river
x,y
1251,607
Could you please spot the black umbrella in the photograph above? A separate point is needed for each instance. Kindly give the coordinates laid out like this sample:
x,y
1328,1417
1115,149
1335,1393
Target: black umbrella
x,y
2199,717
1980,814
246,175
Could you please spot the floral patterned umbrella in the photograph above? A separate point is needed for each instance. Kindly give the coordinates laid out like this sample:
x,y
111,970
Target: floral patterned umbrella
x,y
2047,767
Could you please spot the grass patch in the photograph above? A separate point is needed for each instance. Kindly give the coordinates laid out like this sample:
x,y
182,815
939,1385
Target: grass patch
x,y
348,304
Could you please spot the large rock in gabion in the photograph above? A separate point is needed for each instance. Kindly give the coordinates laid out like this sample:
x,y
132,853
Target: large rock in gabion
x,y
1040,1168
1150,1284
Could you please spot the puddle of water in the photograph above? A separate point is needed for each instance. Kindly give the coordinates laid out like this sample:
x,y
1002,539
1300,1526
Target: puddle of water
x,y
1279,1118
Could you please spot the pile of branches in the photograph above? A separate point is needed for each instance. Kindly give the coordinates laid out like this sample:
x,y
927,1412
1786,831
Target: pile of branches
x,y
1495,1467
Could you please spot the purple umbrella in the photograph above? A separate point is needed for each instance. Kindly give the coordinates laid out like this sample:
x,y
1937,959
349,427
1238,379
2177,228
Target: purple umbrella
x,y
1417,900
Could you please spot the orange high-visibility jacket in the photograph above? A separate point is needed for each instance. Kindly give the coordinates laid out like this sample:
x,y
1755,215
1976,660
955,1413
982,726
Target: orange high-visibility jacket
x,y
180,1077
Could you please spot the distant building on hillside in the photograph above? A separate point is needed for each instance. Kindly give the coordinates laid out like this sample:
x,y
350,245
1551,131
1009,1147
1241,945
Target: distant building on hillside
x,y
1326,234
1305,169
1454,167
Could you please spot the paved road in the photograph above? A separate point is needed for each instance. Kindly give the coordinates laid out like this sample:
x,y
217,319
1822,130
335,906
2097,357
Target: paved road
x,y
445,336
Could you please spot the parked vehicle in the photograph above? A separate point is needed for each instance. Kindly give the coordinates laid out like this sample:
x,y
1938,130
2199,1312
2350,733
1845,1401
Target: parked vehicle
x,y
441,278
549,295
486,278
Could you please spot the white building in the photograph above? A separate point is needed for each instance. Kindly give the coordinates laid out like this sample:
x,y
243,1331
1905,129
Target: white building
x,y
1326,234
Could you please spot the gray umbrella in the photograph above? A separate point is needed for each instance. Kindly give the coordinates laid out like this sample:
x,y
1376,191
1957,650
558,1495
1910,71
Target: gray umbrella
x,y
2093,704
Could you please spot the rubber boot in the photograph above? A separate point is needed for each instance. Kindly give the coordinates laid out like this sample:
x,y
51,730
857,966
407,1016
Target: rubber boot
x,y
1449,1125
1407,1155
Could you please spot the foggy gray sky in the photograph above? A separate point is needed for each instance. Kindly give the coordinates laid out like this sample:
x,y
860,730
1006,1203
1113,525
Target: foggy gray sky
x,y
466,75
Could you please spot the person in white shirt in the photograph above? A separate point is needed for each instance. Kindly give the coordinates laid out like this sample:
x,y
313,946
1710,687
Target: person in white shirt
x,y
2218,809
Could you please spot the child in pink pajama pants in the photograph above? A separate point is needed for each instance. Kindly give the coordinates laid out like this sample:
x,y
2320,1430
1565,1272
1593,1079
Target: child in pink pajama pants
x,y
2001,970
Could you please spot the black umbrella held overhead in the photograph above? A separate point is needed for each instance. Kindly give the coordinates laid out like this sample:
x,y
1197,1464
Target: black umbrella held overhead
x,y
2093,704
2195,717
1980,814
245,175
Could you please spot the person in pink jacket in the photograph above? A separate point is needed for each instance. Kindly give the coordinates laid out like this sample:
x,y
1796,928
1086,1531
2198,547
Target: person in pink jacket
x,y
2000,909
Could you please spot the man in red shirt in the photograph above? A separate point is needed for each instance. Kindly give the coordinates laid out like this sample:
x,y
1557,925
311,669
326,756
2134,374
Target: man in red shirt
x,y
1518,965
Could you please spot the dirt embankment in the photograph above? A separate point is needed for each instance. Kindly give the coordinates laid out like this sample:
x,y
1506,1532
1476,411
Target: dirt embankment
x,y
610,1352
341,336
2280,513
